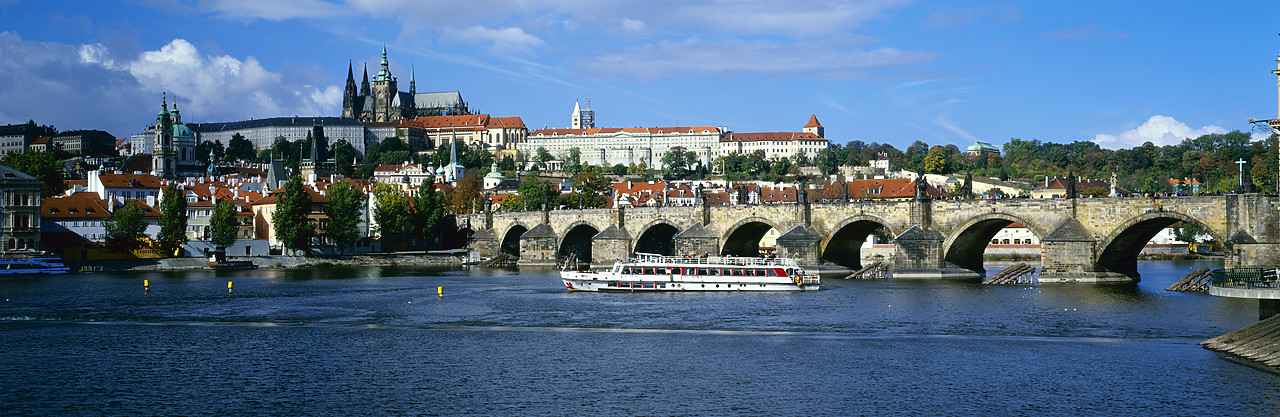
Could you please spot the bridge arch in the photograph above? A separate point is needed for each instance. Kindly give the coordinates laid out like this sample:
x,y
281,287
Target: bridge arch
x,y
657,237
743,238
509,243
1118,251
967,243
576,240
844,246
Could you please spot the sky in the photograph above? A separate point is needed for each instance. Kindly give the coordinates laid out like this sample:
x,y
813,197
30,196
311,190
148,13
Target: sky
x,y
890,71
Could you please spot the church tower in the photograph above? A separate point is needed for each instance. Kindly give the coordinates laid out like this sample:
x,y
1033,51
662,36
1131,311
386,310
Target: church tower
x,y
814,127
384,92
349,95
163,164
583,118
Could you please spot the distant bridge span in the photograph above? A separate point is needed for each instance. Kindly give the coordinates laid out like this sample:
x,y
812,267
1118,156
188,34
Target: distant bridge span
x,y
1086,240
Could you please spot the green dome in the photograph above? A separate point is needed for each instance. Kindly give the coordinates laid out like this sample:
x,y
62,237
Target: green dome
x,y
182,131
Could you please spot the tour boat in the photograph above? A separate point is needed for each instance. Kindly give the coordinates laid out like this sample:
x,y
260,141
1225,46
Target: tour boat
x,y
647,272
39,263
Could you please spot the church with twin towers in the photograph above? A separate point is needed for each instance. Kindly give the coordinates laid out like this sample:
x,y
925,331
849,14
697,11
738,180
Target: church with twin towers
x,y
381,101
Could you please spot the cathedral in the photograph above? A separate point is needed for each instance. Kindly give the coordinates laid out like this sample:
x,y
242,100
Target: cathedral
x,y
382,101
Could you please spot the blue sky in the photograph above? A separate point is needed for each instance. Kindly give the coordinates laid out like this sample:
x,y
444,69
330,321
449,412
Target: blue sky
x,y
889,71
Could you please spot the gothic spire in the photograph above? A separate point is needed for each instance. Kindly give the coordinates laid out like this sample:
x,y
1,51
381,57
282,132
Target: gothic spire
x,y
364,86
412,82
453,146
384,69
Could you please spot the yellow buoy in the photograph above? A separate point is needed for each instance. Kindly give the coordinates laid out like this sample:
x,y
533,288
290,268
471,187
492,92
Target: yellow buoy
x,y
440,290
228,287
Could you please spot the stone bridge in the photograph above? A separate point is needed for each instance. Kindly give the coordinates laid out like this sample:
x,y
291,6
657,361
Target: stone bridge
x,y
1087,240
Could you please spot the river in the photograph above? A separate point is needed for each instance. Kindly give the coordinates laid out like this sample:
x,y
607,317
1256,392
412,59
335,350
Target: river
x,y
380,341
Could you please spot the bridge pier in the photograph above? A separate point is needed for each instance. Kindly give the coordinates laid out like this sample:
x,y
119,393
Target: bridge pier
x,y
539,246
918,255
696,241
801,244
611,245
1068,256
485,241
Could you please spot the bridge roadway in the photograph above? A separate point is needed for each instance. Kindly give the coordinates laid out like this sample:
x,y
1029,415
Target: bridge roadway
x,y
1082,240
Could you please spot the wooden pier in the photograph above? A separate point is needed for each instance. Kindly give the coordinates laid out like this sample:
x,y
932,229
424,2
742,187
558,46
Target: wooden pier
x,y
874,270
1020,274
1258,342
1196,281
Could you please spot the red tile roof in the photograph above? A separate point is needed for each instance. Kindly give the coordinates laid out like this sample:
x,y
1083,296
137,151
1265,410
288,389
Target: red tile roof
x,y
129,181
813,121
770,136
637,130
81,205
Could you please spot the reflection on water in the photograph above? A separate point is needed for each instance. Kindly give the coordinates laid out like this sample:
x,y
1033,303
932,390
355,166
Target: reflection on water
x,y
340,340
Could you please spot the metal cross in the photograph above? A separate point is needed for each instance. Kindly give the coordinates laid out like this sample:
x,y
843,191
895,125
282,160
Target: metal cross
x,y
1241,164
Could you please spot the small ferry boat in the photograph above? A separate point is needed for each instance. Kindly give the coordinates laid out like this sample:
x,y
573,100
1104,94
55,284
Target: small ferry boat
x,y
648,272
218,260
32,264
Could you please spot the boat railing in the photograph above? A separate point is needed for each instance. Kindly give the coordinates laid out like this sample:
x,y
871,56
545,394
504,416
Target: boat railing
x,y
812,279
715,260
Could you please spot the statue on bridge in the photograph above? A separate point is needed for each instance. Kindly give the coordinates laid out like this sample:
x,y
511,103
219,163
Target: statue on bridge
x,y
1071,184
922,186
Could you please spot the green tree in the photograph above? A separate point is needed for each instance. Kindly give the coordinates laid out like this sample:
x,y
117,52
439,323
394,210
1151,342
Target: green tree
x,y
202,151
391,213
428,209
573,161
223,227
346,202
292,226
679,161
532,190
935,162
42,165
590,188
173,220
619,170
239,149
125,228
344,158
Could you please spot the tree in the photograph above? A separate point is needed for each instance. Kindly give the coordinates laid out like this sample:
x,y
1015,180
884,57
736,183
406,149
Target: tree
x,y
239,149
935,162
344,158
343,209
465,197
125,228
678,161
173,220
573,161
223,227
619,170
202,150
391,213
428,209
292,226
42,165
532,191
590,190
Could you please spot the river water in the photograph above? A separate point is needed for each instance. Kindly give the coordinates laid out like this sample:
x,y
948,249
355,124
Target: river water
x,y
335,341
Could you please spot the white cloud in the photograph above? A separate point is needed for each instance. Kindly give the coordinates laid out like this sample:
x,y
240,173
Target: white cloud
x,y
948,124
274,10
631,25
93,87
814,60
1159,130
500,40
225,86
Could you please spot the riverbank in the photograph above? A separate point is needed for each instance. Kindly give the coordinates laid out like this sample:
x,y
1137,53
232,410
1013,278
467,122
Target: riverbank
x,y
381,259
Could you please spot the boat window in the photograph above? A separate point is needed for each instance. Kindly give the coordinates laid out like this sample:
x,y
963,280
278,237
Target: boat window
x,y
648,270
702,271
714,271
737,272
627,270
773,272
759,273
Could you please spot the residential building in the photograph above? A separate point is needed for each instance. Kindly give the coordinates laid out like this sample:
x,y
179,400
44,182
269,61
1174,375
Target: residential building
x,y
84,142
262,133
1057,188
777,144
120,186
19,211
626,146
405,176
16,138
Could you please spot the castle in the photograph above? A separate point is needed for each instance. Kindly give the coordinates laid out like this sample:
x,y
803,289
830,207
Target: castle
x,y
381,101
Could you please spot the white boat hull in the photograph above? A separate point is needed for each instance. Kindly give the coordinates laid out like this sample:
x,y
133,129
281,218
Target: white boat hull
x,y
605,282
